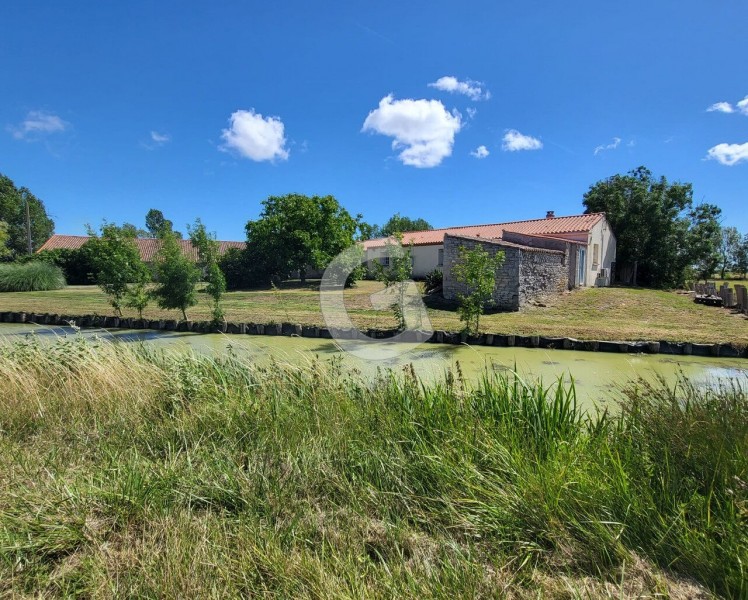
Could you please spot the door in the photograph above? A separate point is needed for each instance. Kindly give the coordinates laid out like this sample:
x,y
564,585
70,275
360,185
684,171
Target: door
x,y
582,266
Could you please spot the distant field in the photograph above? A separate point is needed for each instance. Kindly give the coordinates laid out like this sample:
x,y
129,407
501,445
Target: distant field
x,y
594,313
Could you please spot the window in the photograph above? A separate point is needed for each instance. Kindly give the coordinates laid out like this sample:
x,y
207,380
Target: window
x,y
440,262
595,256
384,261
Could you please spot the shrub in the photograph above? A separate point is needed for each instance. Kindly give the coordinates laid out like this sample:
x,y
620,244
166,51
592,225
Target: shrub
x,y
77,264
30,277
434,281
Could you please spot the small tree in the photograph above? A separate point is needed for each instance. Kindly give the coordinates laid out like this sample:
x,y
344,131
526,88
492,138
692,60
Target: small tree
x,y
396,274
476,268
208,257
137,297
729,248
176,277
117,264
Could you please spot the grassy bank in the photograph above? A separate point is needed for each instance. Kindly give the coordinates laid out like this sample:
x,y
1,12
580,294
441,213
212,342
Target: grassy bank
x,y
125,472
593,313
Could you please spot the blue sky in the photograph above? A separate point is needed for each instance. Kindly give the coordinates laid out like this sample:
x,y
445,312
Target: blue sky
x,y
461,113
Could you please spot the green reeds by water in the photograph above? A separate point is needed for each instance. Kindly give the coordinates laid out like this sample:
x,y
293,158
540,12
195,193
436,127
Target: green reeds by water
x,y
33,276
127,471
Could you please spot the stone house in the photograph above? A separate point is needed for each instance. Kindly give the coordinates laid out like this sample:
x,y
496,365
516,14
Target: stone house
x,y
593,250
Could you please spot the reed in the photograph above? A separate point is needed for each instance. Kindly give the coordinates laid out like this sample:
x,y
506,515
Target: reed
x,y
126,470
35,276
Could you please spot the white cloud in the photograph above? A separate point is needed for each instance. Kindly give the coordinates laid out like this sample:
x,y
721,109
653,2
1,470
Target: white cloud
x,y
255,137
743,106
423,129
471,112
38,123
729,154
514,141
724,107
160,138
480,152
612,146
472,89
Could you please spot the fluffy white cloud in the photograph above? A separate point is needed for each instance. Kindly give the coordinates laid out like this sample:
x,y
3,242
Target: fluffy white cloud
x,y
160,138
480,152
472,89
729,154
255,137
743,106
514,141
423,130
724,107
38,123
471,112
612,146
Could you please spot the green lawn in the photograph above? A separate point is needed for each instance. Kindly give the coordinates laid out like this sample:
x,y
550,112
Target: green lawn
x,y
594,313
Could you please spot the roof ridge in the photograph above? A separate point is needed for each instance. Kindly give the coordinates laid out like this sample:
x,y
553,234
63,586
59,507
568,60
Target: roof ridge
x,y
493,224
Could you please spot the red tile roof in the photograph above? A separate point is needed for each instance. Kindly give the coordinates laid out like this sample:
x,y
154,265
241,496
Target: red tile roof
x,y
543,227
148,247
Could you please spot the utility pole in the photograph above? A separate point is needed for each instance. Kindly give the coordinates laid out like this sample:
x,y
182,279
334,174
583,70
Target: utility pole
x,y
28,226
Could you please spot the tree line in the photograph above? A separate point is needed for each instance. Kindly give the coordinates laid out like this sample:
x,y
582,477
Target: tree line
x,y
664,239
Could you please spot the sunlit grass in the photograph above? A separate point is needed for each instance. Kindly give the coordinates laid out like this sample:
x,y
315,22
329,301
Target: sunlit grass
x,y
131,471
592,313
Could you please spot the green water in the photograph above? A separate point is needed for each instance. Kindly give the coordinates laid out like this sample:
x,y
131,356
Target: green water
x,y
597,375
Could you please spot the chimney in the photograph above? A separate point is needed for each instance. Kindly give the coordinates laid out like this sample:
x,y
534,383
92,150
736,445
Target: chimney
x,y
550,214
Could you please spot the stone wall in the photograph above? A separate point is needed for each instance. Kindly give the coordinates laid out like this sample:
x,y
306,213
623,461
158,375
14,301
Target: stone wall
x,y
528,274
568,247
506,293
542,274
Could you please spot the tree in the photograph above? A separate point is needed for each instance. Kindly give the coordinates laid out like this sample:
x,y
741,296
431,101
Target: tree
x,y
117,263
13,209
208,257
400,224
367,231
396,274
704,239
176,276
741,259
476,268
4,237
295,232
652,221
156,224
134,231
729,248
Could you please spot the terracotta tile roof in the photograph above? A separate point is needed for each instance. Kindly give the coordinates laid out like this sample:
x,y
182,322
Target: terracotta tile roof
x,y
505,244
542,227
148,247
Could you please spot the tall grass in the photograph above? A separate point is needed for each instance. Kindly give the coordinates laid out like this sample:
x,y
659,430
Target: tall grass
x,y
35,276
129,471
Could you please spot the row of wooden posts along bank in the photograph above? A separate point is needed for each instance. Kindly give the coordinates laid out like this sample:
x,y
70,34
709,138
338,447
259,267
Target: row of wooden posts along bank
x,y
436,337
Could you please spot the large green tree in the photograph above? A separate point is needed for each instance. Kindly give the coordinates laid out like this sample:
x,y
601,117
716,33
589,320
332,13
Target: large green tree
x,y
655,224
13,205
399,224
295,232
